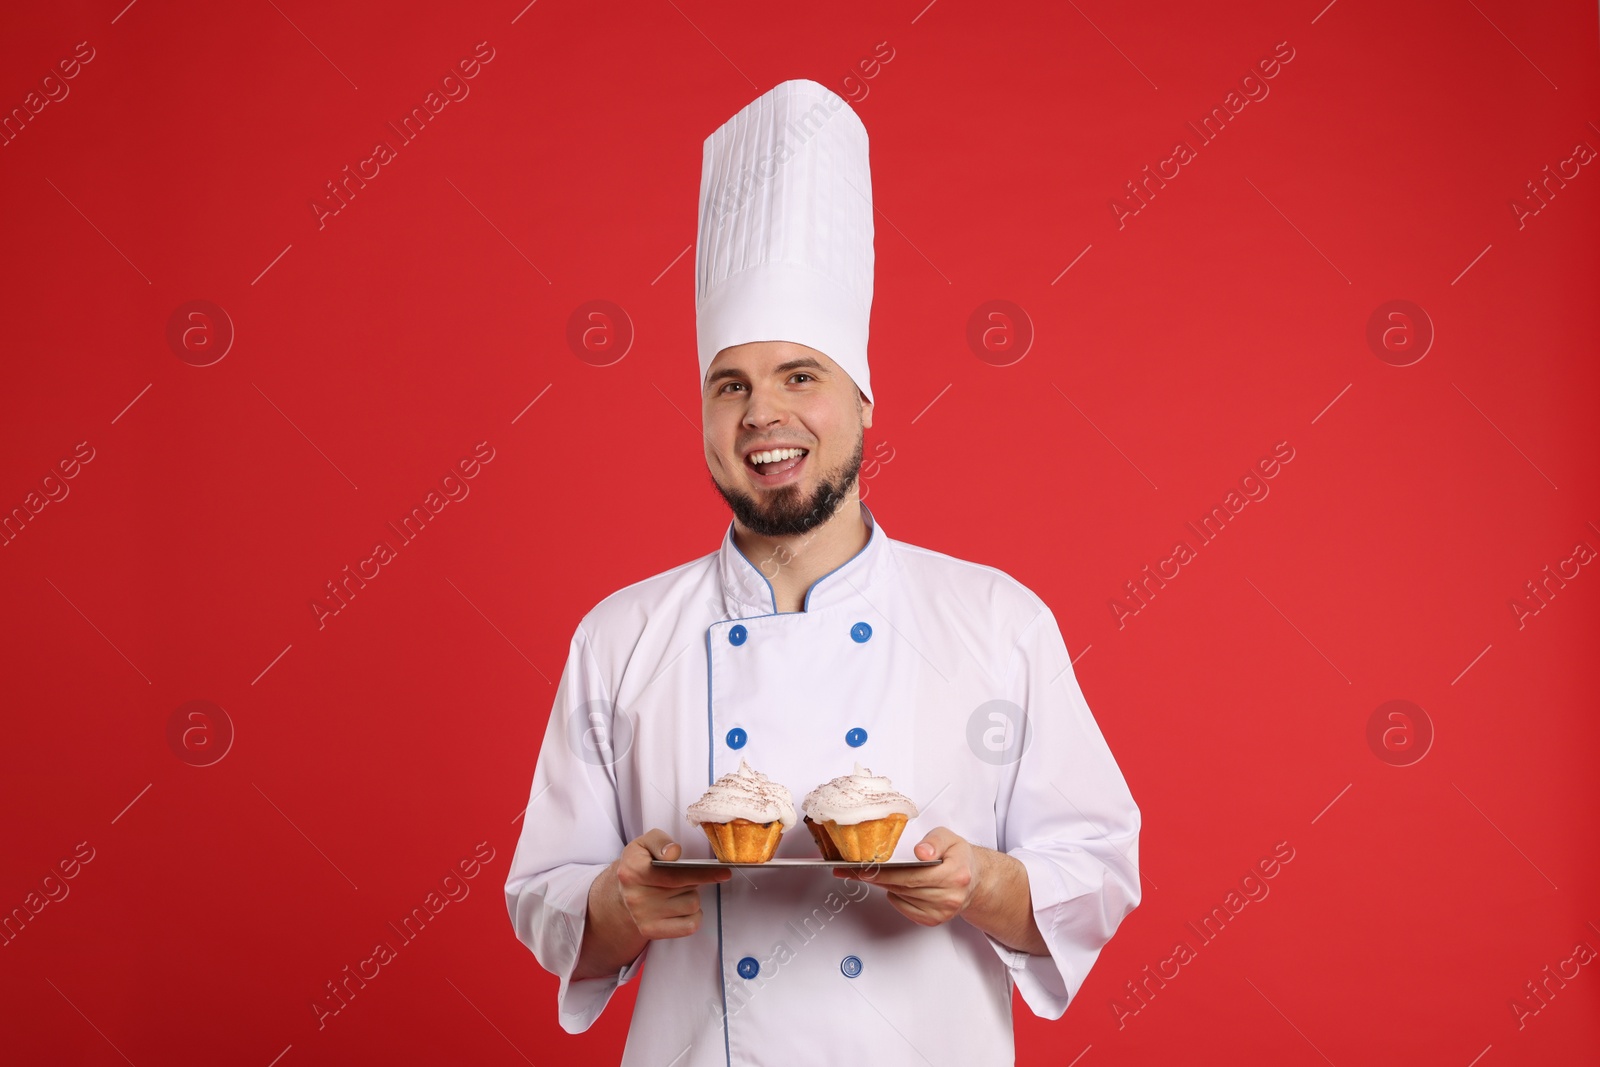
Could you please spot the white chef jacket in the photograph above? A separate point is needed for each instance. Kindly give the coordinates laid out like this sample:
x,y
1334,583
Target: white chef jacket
x,y
948,677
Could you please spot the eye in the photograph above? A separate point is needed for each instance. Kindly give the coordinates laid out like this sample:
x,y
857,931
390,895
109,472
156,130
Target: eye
x,y
726,386
800,374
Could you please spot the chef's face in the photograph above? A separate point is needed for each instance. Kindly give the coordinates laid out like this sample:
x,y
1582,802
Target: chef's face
x,y
779,397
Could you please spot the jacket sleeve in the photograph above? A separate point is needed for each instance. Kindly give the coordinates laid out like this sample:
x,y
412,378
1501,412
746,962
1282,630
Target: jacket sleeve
x,y
1069,817
571,831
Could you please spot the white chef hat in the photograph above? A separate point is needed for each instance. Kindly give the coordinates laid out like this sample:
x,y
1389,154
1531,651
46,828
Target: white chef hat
x,y
784,249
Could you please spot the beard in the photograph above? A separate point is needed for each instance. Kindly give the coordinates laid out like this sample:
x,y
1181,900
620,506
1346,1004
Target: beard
x,y
786,511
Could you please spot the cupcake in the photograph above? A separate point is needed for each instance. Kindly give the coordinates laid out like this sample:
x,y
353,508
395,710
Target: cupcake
x,y
743,815
857,817
825,844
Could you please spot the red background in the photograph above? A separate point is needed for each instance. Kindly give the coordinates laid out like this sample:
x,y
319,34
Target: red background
x,y
374,752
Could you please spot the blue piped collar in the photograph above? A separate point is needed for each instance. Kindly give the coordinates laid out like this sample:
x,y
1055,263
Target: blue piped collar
x,y
747,591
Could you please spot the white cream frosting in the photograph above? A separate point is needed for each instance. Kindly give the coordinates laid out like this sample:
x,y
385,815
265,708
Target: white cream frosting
x,y
856,798
744,794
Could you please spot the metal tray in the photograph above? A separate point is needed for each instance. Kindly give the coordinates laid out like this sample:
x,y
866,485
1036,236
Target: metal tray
x,y
779,861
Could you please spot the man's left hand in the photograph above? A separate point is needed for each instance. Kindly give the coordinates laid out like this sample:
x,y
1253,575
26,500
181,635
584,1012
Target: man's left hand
x,y
988,889
931,895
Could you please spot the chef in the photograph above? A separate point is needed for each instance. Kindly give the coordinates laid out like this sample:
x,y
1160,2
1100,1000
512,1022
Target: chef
x,y
811,641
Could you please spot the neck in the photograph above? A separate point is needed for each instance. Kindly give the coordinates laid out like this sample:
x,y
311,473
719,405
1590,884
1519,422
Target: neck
x,y
794,563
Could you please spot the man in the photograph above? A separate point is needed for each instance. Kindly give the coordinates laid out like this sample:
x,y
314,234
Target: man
x,y
809,642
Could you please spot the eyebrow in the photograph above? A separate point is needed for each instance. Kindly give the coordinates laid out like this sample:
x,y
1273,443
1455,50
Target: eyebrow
x,y
804,362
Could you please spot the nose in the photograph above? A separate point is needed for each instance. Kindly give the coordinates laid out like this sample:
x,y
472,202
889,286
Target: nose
x,y
764,408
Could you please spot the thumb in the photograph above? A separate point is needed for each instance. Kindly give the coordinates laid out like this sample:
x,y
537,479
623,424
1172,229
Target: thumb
x,y
659,845
935,843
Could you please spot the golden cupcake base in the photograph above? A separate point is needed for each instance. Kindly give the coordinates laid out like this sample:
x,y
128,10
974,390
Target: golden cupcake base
x,y
743,841
871,841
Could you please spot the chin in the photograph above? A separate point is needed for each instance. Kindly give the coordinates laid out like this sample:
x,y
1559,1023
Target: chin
x,y
794,507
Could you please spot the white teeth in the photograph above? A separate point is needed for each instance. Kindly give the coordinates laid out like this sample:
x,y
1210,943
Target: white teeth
x,y
776,454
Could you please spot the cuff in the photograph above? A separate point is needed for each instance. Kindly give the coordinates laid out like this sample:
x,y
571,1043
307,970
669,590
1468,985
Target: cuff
x,y
1042,980
579,1003
550,918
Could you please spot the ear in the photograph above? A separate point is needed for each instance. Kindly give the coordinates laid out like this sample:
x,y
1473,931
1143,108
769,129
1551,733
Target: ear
x,y
866,410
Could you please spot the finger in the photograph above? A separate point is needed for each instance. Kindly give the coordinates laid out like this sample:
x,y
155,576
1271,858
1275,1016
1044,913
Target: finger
x,y
913,877
869,871
936,896
650,909
656,842
676,877
936,842
683,902
678,926
922,912
663,904
889,879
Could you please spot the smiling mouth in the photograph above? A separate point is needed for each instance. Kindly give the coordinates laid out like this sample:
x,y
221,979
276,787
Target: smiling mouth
x,y
776,461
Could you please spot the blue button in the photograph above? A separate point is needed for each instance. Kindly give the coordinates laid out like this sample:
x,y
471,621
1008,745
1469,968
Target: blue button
x,y
856,737
860,632
737,738
749,967
737,635
851,966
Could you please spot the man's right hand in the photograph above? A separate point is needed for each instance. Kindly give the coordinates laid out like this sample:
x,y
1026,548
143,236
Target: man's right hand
x,y
661,902
632,903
